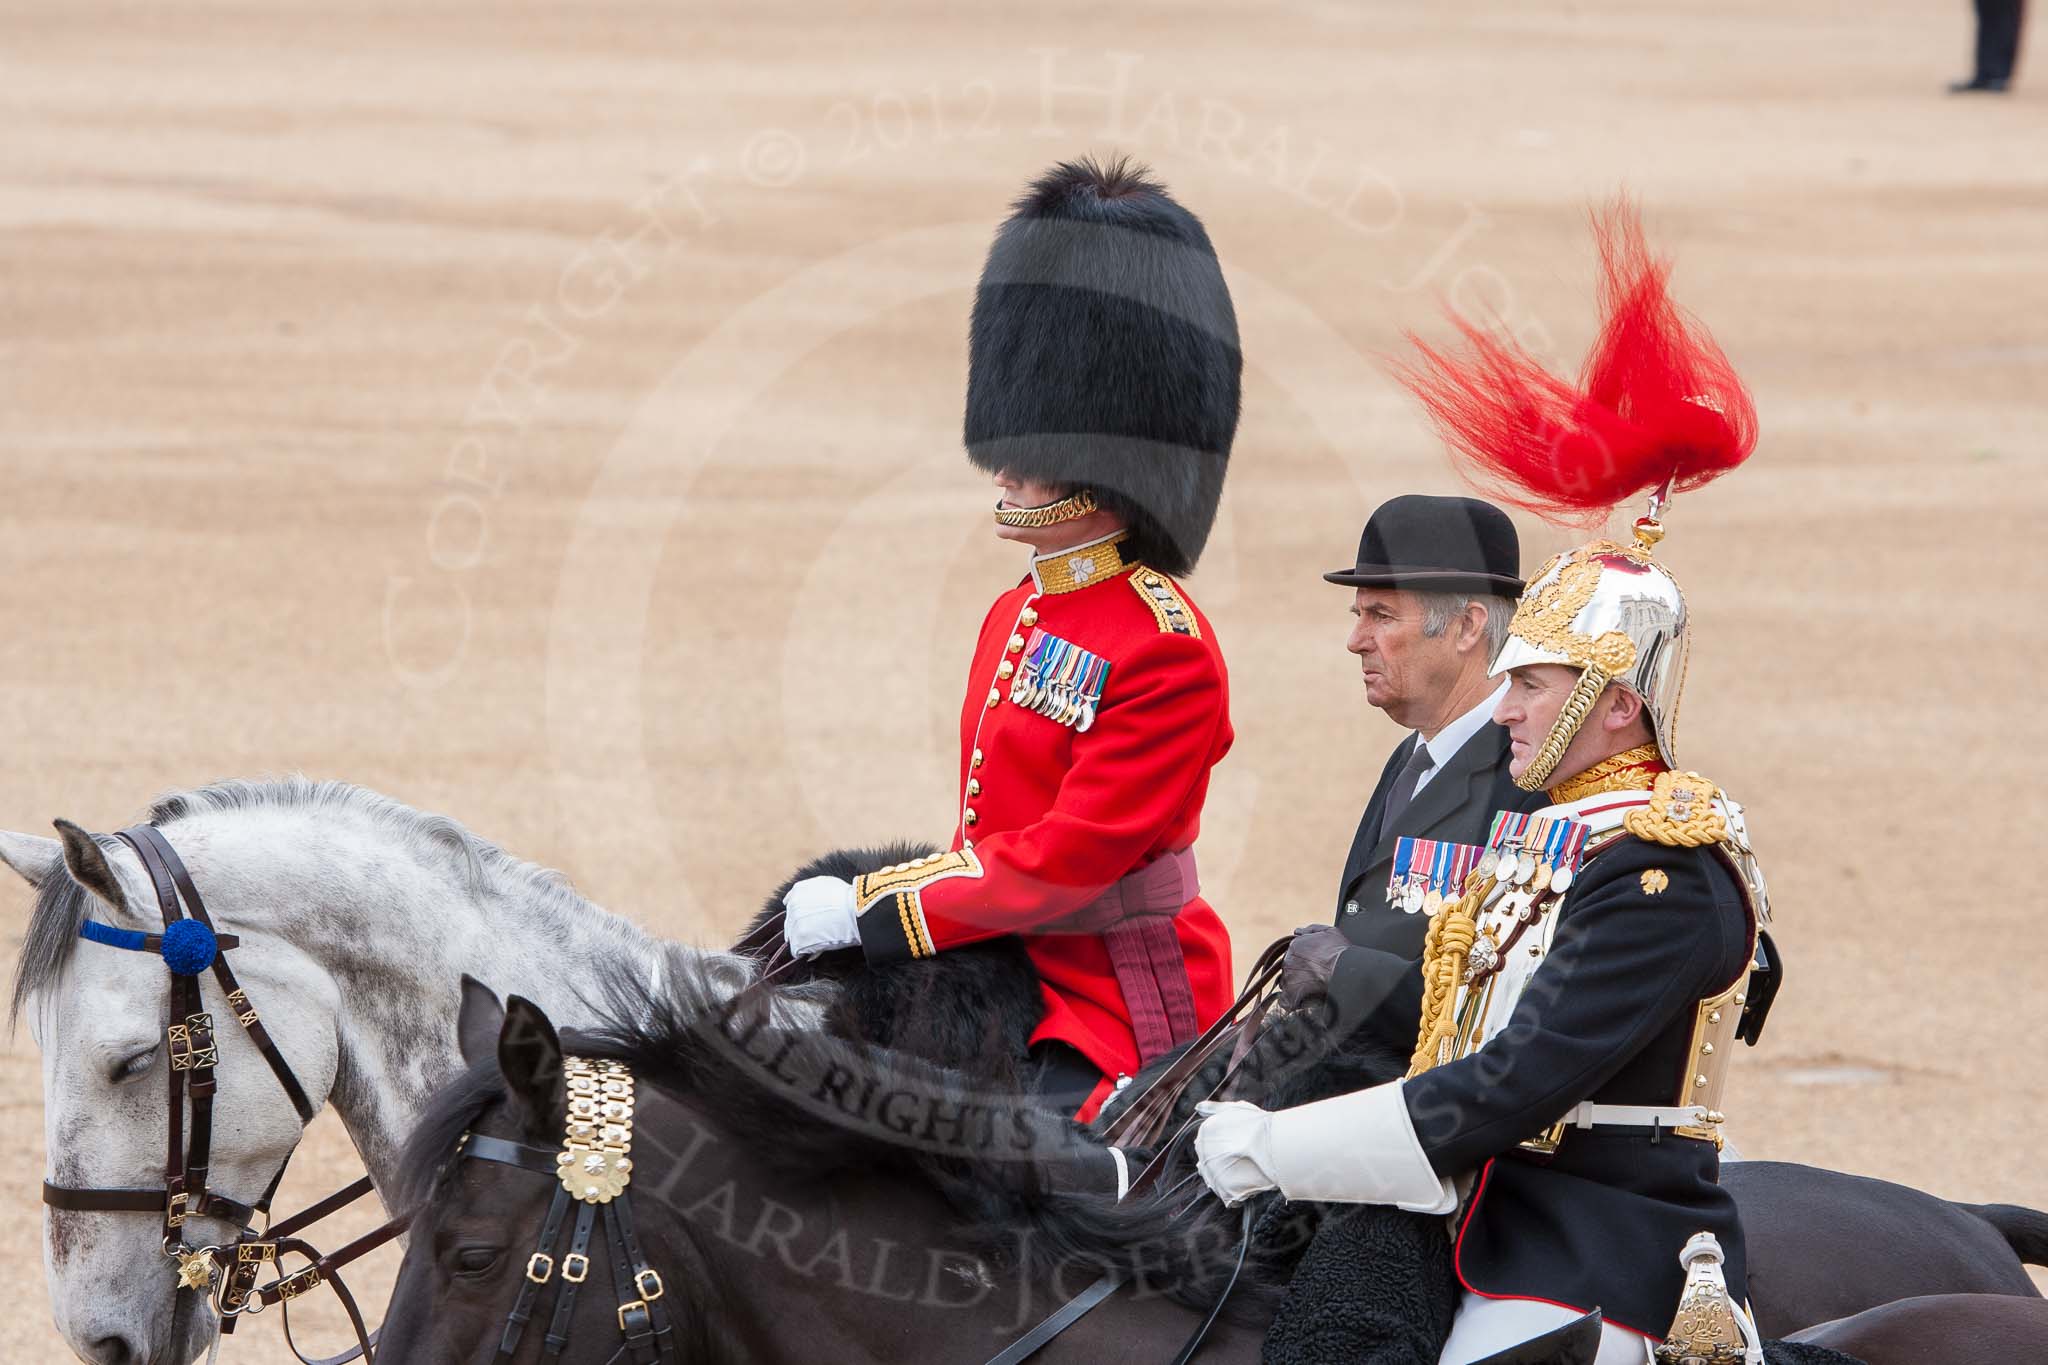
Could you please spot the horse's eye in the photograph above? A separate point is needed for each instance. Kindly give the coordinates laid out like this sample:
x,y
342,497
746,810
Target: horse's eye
x,y
134,1066
475,1260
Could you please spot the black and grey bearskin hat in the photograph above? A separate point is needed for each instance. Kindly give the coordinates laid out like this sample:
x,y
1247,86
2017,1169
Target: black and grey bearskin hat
x,y
1103,354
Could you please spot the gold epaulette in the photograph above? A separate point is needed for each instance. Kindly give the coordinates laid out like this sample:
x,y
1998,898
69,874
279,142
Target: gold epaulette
x,y
1169,608
1681,813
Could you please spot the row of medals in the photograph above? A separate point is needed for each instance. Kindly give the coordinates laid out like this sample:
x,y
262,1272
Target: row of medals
x,y
1522,869
1528,879
1057,700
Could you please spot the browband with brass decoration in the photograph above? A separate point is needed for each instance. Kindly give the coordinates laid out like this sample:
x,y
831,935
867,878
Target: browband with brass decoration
x,y
596,1162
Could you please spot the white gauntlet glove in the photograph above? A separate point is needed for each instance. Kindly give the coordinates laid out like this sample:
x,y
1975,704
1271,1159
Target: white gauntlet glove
x,y
819,915
1359,1148
1233,1150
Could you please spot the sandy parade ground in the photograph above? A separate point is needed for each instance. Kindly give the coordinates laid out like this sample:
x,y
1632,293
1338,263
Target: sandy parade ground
x,y
549,416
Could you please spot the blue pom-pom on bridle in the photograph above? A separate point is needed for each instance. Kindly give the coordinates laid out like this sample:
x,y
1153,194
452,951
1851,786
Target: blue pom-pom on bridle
x,y
189,947
186,946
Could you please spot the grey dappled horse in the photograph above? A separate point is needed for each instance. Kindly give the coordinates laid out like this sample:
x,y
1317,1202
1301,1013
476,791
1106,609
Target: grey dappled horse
x,y
358,917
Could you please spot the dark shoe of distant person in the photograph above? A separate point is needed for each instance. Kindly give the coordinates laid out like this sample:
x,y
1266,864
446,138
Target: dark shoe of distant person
x,y
1980,85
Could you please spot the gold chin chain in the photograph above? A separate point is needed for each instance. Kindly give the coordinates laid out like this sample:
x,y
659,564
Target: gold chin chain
x,y
596,1162
1625,772
1051,514
1570,717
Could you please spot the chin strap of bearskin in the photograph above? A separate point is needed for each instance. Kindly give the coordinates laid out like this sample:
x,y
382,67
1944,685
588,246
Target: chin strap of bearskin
x,y
1070,508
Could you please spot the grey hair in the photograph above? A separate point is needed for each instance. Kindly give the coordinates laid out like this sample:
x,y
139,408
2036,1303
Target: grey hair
x,y
1439,609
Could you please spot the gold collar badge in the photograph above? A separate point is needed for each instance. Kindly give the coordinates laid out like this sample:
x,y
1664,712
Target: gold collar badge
x,y
1081,567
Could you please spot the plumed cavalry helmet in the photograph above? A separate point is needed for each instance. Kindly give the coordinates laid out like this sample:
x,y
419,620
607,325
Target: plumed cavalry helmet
x,y
1657,409
1103,356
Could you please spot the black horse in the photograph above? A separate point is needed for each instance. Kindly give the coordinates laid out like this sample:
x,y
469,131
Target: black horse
x,y
802,1198
1821,1244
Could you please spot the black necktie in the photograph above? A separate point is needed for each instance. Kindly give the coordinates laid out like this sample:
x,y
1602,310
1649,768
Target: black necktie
x,y
1405,783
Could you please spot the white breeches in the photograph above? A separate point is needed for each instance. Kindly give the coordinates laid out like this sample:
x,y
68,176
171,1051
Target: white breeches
x,y
1486,1326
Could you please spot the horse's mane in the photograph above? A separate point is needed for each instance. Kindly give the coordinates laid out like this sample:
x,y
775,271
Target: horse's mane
x,y
62,905
1018,1208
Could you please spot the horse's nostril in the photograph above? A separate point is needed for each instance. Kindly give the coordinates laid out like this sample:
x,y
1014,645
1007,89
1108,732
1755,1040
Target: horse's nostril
x,y
112,1351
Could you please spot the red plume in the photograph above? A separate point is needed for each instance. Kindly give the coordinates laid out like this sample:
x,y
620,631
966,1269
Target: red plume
x,y
1657,399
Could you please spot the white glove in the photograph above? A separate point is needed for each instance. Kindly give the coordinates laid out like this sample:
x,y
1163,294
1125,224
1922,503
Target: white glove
x,y
1233,1150
1359,1148
819,915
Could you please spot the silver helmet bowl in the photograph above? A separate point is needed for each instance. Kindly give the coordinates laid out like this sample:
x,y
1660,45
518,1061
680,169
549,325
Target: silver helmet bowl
x,y
1613,613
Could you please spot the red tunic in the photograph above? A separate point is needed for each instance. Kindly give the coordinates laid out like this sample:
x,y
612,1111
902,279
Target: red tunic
x,y
1060,797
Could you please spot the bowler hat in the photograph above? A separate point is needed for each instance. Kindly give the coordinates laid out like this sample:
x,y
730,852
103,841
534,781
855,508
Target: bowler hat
x,y
1432,544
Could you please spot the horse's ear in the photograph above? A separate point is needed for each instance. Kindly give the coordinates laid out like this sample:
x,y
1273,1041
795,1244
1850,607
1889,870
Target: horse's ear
x,y
530,1057
479,1022
89,865
37,859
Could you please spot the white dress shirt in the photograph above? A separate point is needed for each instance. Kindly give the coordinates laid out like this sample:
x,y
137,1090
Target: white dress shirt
x,y
1452,737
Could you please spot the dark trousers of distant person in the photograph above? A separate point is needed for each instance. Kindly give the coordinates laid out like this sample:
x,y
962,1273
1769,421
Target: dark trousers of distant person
x,y
1998,40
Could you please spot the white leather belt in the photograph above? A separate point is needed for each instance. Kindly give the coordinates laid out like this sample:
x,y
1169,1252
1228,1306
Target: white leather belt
x,y
1590,1115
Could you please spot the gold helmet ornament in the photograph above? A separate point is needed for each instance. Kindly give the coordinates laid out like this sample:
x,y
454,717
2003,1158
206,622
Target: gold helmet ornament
x,y
1657,409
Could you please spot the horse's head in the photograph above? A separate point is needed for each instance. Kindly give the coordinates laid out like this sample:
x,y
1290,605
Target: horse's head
x,y
794,1195
98,1015
497,1237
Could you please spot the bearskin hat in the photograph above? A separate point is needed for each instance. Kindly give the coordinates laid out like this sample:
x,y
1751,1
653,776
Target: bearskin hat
x,y
1103,354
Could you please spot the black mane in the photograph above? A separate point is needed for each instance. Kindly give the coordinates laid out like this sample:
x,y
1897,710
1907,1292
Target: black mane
x,y
62,905
712,1055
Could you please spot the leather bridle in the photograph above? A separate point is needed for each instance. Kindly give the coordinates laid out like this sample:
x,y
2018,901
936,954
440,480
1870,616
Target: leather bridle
x,y
189,946
647,1333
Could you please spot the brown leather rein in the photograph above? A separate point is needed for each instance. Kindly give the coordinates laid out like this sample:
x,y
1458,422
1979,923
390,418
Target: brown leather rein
x,y
189,945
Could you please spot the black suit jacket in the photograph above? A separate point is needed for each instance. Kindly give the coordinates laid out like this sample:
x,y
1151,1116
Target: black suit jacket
x,y
1457,805
1377,981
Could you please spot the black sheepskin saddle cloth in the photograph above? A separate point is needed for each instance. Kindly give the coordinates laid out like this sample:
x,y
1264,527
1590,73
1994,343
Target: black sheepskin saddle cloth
x,y
1799,1353
972,1010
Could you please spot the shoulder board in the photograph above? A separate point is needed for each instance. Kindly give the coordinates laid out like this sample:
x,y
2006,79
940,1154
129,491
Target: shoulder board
x,y
1169,608
1684,812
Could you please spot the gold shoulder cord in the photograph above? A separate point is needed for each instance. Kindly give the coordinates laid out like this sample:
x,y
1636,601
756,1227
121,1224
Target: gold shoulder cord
x,y
596,1162
1444,952
1681,813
